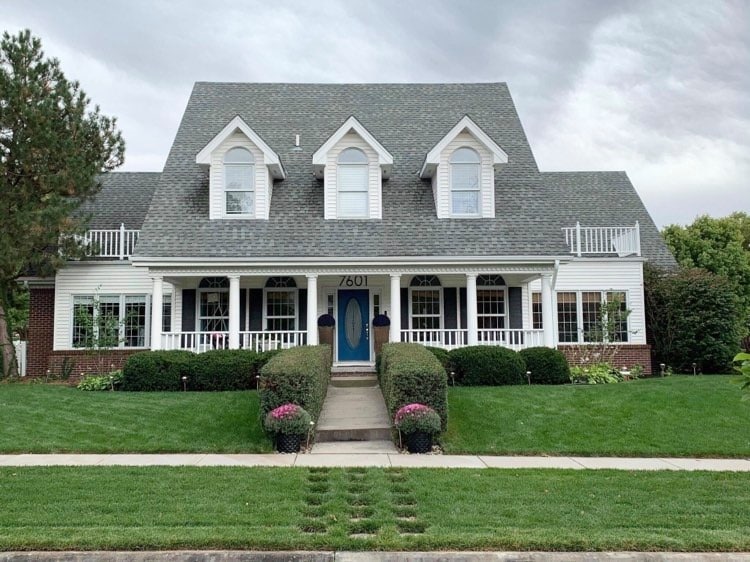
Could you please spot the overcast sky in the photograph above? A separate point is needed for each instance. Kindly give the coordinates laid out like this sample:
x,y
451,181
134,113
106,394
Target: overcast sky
x,y
658,89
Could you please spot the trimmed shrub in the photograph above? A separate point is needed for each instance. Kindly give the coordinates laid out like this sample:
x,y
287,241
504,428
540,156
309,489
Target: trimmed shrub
x,y
485,365
547,366
219,369
226,369
442,356
299,376
156,370
409,374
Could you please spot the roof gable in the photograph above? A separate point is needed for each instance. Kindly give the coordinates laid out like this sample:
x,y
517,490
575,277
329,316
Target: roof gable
x,y
270,158
352,125
465,124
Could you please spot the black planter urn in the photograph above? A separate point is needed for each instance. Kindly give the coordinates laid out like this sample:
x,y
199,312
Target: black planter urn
x,y
288,442
419,442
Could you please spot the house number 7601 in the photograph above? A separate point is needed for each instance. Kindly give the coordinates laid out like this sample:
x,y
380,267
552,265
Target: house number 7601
x,y
353,281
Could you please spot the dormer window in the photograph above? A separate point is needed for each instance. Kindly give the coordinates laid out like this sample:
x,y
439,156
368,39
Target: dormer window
x,y
465,172
462,167
239,182
352,183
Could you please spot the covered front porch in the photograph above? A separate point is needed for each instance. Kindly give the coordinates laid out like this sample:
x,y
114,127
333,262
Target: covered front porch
x,y
278,308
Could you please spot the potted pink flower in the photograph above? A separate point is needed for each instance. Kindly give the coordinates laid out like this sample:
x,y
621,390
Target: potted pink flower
x,y
289,423
418,423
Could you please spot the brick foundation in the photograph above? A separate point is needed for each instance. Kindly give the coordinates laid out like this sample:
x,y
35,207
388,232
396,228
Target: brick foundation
x,y
77,362
627,356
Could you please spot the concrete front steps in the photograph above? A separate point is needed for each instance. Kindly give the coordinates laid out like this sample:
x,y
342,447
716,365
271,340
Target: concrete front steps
x,y
354,410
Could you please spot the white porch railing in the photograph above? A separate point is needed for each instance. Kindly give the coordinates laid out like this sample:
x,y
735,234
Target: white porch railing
x,y
620,240
514,339
119,243
447,339
265,341
198,342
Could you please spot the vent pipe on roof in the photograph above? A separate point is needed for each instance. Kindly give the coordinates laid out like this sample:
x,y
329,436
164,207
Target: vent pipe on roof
x,y
296,147
296,140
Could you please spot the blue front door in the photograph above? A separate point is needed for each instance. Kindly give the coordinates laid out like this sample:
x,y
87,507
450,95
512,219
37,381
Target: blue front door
x,y
354,325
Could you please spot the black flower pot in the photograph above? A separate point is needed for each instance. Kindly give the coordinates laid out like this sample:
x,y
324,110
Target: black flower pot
x,y
288,442
419,442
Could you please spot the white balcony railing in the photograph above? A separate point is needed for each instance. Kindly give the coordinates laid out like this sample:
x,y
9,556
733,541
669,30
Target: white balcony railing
x,y
514,339
119,243
198,342
620,240
447,339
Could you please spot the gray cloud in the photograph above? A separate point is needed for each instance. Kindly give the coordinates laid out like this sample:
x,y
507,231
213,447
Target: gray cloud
x,y
658,89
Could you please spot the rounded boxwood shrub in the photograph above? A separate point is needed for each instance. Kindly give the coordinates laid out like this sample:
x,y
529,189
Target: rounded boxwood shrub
x,y
484,365
156,370
442,356
547,365
226,369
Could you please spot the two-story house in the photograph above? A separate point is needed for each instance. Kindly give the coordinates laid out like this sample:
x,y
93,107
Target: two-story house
x,y
282,202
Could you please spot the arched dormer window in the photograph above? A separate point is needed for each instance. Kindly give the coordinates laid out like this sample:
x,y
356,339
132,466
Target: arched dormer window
x,y
465,175
239,182
352,183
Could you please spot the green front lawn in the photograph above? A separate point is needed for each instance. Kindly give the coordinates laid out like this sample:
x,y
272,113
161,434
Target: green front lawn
x,y
424,509
675,416
41,418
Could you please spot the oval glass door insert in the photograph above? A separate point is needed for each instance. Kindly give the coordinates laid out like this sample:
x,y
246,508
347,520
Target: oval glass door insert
x,y
353,323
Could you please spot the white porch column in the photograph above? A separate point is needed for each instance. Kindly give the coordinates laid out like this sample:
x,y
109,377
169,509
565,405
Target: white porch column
x,y
312,310
395,331
157,300
547,309
471,309
234,311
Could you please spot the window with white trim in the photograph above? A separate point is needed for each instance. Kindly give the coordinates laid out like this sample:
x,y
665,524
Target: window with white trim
x,y
213,304
465,165
239,182
425,296
567,317
620,322
109,321
491,308
352,184
584,313
537,322
166,314
281,299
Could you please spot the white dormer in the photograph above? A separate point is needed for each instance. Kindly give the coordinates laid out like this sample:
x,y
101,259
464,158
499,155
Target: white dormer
x,y
352,165
462,168
242,170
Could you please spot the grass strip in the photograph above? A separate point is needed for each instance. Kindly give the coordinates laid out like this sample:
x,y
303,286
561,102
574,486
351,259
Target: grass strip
x,y
170,508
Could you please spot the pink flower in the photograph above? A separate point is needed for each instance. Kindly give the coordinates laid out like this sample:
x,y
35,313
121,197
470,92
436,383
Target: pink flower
x,y
411,410
285,411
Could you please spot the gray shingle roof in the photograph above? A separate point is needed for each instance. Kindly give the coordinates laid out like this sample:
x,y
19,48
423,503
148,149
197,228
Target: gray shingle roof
x,y
408,119
124,198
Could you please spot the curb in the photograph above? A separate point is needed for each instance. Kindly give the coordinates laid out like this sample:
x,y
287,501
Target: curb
x,y
329,556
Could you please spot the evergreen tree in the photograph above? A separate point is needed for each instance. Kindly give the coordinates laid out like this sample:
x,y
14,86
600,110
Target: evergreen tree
x,y
53,146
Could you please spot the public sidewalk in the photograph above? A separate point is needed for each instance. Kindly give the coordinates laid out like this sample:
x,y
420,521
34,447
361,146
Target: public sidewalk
x,y
374,455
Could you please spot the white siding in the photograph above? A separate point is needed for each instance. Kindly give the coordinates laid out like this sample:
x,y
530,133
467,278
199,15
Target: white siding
x,y
91,279
585,275
216,178
375,205
442,188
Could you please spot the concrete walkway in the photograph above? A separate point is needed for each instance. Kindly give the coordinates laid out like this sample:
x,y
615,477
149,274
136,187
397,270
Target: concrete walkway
x,y
369,455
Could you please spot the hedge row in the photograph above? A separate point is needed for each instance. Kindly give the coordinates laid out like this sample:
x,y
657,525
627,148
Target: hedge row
x,y
409,373
483,365
219,369
298,376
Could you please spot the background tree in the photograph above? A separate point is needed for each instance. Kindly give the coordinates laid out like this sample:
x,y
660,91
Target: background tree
x,y
721,246
53,145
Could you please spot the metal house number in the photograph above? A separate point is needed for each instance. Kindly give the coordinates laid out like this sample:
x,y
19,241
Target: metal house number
x,y
353,281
